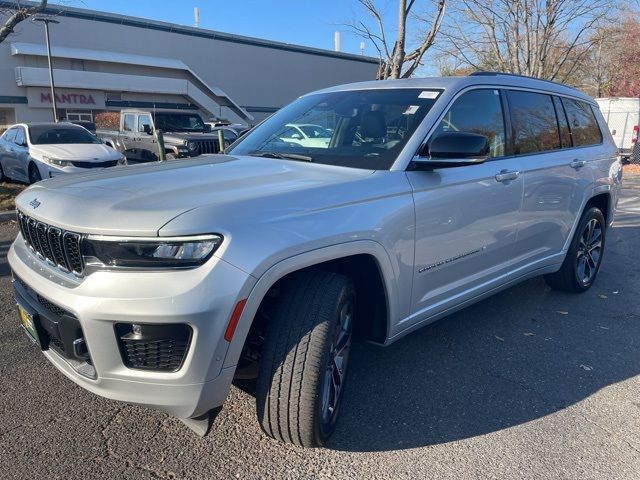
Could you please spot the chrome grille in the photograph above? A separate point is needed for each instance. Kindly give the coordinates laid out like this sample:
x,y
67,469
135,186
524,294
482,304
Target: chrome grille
x,y
56,246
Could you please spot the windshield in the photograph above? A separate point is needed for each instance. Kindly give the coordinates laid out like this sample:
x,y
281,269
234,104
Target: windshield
x,y
179,122
360,129
315,131
60,134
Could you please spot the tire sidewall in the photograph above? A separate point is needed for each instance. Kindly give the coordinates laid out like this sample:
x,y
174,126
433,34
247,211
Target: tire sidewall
x,y
323,431
34,178
590,214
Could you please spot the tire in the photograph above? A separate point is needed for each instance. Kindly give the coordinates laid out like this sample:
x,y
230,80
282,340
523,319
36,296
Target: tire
x,y
34,174
582,263
308,337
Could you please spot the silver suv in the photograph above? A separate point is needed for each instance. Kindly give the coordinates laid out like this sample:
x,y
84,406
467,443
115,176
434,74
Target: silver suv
x,y
159,284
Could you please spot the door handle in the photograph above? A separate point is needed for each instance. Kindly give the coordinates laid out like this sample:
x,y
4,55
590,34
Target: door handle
x,y
577,164
505,176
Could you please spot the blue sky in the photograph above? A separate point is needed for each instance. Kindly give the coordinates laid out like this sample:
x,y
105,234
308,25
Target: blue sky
x,y
306,22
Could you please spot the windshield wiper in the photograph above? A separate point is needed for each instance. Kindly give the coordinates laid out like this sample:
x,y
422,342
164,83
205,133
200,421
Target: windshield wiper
x,y
287,156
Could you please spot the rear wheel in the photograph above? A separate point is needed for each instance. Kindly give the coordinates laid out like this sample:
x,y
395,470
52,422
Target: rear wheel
x,y
581,266
34,174
305,357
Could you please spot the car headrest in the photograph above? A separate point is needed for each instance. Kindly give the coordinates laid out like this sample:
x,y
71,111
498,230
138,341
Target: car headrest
x,y
373,125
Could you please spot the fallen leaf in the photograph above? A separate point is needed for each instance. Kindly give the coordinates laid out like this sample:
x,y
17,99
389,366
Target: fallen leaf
x,y
499,338
616,292
603,327
528,334
602,296
562,312
588,368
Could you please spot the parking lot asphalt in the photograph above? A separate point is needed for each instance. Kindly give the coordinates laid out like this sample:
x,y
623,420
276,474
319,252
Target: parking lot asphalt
x,y
531,384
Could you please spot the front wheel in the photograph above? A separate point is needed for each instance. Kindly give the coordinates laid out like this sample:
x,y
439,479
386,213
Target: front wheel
x,y
34,174
583,260
304,358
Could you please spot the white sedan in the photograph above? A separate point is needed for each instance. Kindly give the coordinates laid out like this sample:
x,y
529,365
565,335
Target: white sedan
x,y
31,152
306,135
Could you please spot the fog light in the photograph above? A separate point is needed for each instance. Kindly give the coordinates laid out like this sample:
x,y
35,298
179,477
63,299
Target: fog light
x,y
159,347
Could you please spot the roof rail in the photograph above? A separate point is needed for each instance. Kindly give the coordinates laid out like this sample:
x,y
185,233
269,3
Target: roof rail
x,y
493,74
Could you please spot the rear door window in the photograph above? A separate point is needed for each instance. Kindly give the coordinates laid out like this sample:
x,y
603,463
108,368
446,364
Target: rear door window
x,y
477,111
582,122
534,122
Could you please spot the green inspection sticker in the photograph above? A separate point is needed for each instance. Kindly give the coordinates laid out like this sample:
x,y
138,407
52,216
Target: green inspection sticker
x,y
28,323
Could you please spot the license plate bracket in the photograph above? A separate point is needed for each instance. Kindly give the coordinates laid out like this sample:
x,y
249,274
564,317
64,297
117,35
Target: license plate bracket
x,y
29,323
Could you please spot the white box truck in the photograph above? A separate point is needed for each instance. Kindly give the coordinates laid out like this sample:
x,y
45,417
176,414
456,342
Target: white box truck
x,y
623,118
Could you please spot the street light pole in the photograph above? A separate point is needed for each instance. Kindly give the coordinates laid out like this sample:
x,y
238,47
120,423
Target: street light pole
x,y
46,22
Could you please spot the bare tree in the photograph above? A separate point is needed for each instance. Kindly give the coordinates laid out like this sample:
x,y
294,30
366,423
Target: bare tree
x,y
539,38
18,14
395,61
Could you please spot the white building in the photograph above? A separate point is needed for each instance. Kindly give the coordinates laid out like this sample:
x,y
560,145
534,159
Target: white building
x,y
106,62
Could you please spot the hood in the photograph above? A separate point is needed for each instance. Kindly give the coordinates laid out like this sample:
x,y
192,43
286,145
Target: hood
x,y
87,152
141,199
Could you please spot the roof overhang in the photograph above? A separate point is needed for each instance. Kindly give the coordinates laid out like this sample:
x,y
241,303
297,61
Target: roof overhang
x,y
197,90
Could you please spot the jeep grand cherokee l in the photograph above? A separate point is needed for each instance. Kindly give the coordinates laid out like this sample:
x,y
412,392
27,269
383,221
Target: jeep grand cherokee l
x,y
157,284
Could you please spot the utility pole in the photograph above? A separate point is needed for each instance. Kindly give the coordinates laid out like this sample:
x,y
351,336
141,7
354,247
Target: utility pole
x,y
47,21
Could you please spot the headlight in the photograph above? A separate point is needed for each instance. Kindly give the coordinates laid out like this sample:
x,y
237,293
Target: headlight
x,y
58,162
140,252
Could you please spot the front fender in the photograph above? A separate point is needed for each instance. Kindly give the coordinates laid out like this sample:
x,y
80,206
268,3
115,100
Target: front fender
x,y
307,259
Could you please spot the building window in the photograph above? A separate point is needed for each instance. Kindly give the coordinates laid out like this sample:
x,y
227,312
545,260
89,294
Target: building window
x,y
79,116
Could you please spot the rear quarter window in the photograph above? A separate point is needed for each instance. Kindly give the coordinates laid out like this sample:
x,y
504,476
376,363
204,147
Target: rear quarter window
x,y
10,135
582,122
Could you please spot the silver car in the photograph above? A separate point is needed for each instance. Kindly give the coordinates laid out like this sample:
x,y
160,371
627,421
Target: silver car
x,y
33,151
159,284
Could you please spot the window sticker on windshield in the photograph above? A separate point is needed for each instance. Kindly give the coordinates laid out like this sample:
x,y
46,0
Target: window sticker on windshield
x,y
428,94
411,109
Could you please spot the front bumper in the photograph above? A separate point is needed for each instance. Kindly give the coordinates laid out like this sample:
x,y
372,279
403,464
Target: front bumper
x,y
202,298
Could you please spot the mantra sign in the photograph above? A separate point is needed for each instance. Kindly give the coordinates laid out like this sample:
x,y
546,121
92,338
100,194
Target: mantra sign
x,y
68,98
65,98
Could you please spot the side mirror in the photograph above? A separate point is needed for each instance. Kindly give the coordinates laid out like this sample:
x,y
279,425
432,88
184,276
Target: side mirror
x,y
207,128
453,149
146,128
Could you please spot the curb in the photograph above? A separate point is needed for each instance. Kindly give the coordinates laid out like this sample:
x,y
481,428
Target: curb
x,y
7,216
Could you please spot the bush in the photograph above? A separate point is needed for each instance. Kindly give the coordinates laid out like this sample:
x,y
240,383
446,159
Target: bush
x,y
107,120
